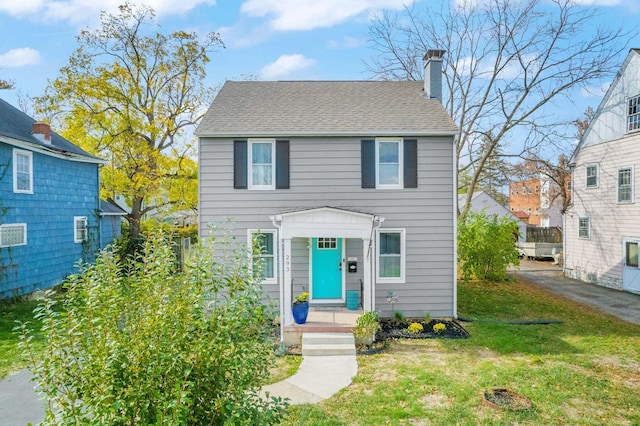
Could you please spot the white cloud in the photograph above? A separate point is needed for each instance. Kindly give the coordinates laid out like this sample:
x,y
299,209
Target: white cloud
x,y
84,12
21,57
285,66
309,14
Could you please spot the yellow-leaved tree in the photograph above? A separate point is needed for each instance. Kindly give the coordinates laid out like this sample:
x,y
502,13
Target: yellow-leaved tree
x,y
132,96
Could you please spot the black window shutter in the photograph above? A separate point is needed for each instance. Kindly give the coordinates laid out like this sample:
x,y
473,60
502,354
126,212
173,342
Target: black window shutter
x,y
410,163
240,160
282,164
368,159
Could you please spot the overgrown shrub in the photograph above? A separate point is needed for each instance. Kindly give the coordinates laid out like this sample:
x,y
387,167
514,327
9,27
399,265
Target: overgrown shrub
x,y
486,246
155,346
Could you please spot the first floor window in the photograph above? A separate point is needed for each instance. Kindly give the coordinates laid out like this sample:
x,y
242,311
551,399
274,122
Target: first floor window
x,y
80,232
265,243
631,253
13,234
584,228
625,185
391,255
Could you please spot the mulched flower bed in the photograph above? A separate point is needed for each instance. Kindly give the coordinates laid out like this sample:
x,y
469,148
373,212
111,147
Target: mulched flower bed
x,y
391,329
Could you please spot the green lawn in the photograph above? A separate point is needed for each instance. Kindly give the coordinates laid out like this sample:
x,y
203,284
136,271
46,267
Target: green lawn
x,y
11,359
585,371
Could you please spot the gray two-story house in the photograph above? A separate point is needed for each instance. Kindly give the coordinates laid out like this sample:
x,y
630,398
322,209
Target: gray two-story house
x,y
349,185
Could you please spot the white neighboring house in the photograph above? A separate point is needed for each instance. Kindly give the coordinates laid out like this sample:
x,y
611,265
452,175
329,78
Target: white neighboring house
x,y
480,200
602,226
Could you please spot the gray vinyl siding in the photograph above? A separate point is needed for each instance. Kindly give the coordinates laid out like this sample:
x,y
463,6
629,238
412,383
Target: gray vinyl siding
x,y
426,212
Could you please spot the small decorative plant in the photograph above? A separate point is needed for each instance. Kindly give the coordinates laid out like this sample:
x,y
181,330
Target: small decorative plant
x,y
367,326
415,328
439,328
392,297
301,298
398,317
427,317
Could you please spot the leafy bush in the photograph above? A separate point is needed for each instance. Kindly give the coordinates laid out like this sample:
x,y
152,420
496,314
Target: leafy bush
x,y
367,326
486,246
155,346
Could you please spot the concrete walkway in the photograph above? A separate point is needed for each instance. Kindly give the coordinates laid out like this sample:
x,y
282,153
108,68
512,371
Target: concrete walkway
x,y
319,377
622,304
19,403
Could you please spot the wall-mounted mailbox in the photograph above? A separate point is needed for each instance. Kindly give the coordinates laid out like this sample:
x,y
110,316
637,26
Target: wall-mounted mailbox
x,y
352,266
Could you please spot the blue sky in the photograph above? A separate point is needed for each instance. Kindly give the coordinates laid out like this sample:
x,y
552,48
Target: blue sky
x,y
269,39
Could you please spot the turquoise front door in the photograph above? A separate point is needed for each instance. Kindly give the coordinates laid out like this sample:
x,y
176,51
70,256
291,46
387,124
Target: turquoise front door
x,y
326,265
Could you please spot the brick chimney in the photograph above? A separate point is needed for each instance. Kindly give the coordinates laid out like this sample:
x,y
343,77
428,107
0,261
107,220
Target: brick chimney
x,y
433,73
42,131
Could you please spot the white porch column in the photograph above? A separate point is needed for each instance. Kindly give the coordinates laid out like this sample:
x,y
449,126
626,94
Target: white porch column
x,y
367,288
286,282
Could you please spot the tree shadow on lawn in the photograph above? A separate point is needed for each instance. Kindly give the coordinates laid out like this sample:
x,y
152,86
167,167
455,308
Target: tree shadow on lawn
x,y
583,329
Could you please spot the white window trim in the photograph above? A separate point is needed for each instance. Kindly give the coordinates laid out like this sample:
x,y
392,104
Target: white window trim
x,y
637,97
400,184
588,237
395,280
29,154
250,164
632,171
586,167
11,225
250,232
76,238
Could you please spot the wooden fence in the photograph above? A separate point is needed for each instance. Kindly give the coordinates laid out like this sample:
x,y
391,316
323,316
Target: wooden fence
x,y
536,234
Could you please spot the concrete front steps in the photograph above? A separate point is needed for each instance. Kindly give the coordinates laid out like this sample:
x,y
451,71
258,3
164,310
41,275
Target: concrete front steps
x,y
328,344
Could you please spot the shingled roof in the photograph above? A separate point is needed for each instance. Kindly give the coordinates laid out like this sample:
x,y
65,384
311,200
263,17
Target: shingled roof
x,y
16,125
324,108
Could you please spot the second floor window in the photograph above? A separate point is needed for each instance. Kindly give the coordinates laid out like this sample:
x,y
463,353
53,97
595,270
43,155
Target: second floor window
x,y
633,114
389,167
80,229
592,175
22,171
261,167
625,185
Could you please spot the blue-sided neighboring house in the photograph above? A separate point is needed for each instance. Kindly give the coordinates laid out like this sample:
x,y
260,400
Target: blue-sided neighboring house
x,y
51,214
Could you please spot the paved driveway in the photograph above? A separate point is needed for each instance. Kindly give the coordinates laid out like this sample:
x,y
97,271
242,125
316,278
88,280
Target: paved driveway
x,y
622,304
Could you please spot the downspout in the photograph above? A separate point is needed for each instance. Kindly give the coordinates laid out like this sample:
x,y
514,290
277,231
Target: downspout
x,y
279,271
376,222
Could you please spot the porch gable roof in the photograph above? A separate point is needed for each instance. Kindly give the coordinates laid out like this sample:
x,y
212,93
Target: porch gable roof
x,y
327,222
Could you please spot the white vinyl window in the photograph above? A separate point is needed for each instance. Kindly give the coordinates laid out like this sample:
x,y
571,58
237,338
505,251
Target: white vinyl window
x,y
262,170
13,234
633,114
22,171
584,228
592,175
266,243
625,185
80,229
389,163
391,255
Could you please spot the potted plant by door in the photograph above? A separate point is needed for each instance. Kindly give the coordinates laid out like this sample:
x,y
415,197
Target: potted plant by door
x,y
300,308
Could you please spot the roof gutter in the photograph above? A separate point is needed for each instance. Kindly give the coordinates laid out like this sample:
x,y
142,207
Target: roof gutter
x,y
52,151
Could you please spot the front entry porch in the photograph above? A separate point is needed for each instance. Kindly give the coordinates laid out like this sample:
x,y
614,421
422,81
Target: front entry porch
x,y
322,320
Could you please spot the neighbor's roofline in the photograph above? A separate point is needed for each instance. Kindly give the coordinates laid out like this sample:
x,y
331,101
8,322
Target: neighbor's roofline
x,y
380,133
52,151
